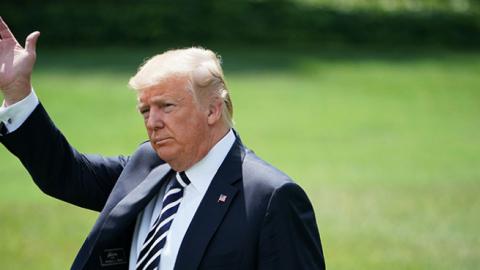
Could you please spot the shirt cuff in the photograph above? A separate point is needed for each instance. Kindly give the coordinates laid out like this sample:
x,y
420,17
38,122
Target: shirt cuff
x,y
16,114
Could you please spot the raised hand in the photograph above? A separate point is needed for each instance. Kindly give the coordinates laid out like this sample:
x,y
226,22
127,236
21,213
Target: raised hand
x,y
16,64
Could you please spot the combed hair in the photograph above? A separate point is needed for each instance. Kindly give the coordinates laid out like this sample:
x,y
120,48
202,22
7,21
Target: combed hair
x,y
200,66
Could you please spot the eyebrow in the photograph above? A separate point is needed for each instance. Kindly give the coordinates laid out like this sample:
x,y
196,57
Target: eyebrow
x,y
163,99
157,100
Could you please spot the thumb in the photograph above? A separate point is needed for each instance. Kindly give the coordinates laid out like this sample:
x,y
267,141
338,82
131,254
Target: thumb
x,y
31,42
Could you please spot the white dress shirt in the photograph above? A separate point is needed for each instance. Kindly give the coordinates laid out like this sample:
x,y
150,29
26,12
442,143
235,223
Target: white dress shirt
x,y
15,115
200,175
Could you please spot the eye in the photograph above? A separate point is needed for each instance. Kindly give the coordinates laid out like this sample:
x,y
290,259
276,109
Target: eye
x,y
145,112
168,107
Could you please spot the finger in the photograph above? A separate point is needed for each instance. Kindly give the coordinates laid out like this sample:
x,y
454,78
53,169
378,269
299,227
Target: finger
x,y
5,33
31,42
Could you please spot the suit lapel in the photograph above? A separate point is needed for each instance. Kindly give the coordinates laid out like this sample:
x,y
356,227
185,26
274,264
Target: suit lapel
x,y
211,210
136,200
137,184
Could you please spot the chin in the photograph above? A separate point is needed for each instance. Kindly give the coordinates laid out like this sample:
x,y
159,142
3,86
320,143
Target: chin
x,y
164,155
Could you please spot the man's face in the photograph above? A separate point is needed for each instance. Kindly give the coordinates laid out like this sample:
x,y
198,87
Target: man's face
x,y
176,123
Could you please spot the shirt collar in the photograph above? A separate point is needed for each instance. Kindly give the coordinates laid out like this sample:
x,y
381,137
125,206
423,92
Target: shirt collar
x,y
201,173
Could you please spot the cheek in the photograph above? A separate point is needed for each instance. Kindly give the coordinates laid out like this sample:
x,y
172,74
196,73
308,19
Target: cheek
x,y
197,131
149,131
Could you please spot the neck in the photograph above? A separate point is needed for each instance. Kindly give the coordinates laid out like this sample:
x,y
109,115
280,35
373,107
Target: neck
x,y
217,135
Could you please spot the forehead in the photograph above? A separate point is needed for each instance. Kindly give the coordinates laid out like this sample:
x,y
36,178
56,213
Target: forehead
x,y
174,87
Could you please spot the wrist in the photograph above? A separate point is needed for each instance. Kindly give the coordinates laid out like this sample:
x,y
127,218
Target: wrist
x,y
16,92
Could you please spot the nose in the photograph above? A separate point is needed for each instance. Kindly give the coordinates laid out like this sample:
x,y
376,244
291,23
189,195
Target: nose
x,y
155,119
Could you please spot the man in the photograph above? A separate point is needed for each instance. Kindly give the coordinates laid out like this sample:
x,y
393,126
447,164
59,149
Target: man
x,y
193,197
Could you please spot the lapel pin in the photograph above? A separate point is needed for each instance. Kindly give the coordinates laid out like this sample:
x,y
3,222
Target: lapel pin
x,y
222,198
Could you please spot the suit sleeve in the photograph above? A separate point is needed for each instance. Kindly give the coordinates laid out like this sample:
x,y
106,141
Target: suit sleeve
x,y
289,236
57,168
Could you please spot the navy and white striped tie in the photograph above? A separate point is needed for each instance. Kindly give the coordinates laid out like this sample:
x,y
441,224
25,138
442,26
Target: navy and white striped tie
x,y
149,257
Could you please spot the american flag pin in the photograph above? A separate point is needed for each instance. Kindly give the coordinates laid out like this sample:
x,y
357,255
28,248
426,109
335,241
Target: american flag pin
x,y
222,198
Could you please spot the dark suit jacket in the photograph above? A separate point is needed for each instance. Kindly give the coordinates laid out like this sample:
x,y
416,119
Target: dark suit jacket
x,y
266,222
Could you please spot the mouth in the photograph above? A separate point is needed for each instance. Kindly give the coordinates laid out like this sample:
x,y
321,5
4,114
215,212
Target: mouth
x,y
159,142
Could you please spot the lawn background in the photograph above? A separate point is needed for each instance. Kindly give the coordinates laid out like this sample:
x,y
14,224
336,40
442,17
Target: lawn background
x,y
386,144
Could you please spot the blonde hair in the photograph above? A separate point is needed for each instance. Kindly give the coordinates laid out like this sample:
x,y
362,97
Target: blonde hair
x,y
200,66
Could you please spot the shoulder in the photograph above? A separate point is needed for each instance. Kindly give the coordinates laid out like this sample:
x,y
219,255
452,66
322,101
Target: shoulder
x,y
272,192
261,179
257,171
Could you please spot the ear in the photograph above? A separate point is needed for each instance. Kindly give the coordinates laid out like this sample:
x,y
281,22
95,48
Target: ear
x,y
215,110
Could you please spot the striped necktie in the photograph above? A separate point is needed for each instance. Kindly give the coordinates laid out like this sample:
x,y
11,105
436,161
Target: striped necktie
x,y
3,129
149,257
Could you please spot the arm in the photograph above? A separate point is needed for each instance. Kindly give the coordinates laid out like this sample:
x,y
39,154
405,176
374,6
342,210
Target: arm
x,y
289,237
13,116
56,167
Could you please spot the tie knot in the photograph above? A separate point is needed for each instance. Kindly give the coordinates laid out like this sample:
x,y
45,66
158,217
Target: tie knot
x,y
183,179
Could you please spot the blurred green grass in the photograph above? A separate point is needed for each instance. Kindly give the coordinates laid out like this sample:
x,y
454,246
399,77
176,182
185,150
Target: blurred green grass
x,y
386,144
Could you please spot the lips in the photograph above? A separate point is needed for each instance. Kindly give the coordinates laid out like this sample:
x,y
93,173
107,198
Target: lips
x,y
160,141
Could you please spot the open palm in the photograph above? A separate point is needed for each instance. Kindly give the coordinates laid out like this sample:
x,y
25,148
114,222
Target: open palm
x,y
16,64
